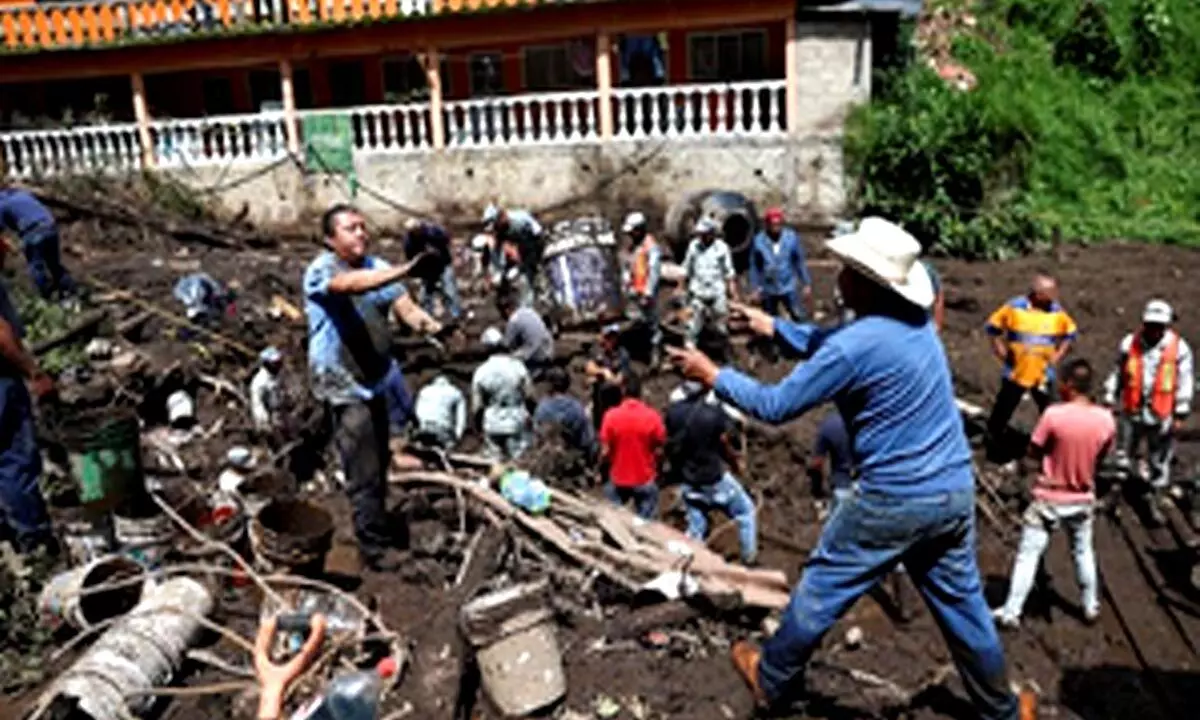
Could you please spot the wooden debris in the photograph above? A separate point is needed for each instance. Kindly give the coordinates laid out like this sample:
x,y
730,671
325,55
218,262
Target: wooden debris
x,y
84,326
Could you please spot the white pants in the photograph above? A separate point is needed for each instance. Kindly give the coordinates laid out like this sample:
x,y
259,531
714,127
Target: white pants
x,y
1040,519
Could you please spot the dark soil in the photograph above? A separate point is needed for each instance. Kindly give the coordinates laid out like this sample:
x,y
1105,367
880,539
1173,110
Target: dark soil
x,y
1140,661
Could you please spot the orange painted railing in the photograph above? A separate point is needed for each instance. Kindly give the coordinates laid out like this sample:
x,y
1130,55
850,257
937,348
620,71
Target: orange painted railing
x,y
84,23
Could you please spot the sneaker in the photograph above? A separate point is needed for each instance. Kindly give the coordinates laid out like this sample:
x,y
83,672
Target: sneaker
x,y
1005,621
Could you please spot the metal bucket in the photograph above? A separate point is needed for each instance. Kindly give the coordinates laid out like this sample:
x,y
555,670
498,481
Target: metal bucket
x,y
516,648
291,536
581,267
147,540
65,599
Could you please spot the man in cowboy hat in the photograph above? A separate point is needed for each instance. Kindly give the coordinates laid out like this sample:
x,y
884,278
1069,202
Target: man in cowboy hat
x,y
889,377
1151,388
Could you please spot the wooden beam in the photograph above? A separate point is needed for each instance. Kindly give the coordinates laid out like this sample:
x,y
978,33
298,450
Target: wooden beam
x,y
291,122
433,76
447,32
604,84
141,113
791,62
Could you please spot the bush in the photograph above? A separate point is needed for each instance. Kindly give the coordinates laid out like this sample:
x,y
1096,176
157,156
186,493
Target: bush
x,y
1084,122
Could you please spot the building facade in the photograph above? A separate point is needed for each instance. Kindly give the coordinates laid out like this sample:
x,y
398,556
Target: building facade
x,y
440,87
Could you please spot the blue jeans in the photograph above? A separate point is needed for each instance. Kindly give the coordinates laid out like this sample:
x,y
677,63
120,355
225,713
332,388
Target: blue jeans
x,y
21,504
644,497
1040,519
729,497
863,540
789,301
445,286
399,402
44,256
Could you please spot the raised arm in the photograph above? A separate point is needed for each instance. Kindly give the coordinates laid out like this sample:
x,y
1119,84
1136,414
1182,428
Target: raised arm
x,y
809,384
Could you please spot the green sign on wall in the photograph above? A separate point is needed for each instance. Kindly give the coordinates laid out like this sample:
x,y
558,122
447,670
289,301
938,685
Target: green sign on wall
x,y
329,144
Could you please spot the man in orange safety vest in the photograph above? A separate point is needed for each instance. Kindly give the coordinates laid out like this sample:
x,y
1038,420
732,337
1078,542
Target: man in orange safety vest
x,y
1151,390
642,278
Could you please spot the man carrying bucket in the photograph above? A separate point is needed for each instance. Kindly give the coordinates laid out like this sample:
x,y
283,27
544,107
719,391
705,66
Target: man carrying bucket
x,y
22,508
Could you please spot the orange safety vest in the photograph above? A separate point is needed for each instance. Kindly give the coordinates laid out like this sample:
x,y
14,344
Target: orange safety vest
x,y
1162,395
639,275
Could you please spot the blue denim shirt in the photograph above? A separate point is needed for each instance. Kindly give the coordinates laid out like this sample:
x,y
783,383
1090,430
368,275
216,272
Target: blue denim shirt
x,y
349,336
8,313
24,215
891,382
567,413
776,273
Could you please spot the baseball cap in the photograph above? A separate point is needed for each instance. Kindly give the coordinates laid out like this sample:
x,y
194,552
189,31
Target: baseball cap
x,y
773,215
1158,312
270,355
633,221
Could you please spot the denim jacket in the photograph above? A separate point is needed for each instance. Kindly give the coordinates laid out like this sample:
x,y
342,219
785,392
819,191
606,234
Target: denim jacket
x,y
774,273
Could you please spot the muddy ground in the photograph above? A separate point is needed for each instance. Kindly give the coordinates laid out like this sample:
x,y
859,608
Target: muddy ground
x,y
1141,661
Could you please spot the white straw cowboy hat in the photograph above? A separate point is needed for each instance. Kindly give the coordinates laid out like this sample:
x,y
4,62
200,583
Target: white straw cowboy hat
x,y
886,253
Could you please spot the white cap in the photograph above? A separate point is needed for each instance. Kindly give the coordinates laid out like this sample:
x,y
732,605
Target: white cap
x,y
490,214
481,241
1158,312
705,226
633,221
270,355
492,337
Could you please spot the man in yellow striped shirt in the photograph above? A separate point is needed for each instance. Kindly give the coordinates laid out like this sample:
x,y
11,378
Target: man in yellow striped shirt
x,y
1030,334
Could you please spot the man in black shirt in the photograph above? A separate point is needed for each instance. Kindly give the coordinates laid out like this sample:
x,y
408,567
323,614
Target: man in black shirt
x,y
435,270
702,458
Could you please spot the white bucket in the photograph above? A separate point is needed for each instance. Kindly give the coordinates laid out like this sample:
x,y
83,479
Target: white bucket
x,y
146,540
517,650
180,407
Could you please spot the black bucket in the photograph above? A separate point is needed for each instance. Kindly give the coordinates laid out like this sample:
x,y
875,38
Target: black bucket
x,y
292,536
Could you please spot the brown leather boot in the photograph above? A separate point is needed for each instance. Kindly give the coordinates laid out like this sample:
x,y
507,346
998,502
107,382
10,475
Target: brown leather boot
x,y
745,659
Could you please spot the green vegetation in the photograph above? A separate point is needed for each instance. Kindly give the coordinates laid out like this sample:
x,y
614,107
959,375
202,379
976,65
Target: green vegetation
x,y
1085,123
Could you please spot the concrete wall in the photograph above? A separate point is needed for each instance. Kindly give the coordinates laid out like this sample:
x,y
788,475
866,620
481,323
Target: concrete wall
x,y
804,174
834,65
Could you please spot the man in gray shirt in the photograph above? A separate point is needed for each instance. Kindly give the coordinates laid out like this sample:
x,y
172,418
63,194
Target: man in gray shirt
x,y
525,334
710,280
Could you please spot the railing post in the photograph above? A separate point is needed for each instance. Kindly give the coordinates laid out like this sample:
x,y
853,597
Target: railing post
x,y
433,78
604,84
791,70
142,113
291,125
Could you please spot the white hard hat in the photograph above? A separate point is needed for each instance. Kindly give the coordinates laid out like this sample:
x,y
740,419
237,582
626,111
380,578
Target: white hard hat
x,y
633,221
705,226
490,214
1158,312
481,242
270,354
492,338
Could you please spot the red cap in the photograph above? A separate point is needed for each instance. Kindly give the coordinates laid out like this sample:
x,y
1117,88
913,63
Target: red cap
x,y
773,215
387,667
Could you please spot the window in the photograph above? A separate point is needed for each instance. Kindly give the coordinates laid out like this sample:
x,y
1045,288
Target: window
x,y
302,87
404,79
728,56
265,89
218,96
486,78
346,83
568,66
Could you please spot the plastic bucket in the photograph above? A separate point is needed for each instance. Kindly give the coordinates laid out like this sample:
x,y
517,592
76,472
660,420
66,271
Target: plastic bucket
x,y
291,536
144,539
65,599
516,648
105,461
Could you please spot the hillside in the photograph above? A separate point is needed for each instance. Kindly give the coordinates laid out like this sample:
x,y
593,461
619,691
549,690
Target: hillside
x,y
1082,122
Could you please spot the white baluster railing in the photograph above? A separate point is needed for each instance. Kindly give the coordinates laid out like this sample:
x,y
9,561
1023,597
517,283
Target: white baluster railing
x,y
87,149
542,119
747,108
219,140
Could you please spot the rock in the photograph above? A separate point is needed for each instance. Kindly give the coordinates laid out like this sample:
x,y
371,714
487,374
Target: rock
x,y
605,707
99,349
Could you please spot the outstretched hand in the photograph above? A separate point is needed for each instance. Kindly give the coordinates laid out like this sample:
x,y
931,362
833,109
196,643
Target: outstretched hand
x,y
274,678
760,323
694,365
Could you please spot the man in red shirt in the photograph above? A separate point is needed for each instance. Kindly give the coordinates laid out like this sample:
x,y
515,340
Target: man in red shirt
x,y
632,436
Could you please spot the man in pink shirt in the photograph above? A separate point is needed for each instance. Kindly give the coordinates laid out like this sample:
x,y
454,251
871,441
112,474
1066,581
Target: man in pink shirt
x,y
1070,440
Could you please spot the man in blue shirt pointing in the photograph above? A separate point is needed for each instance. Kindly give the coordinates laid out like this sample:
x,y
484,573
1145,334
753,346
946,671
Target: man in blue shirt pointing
x,y
914,501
